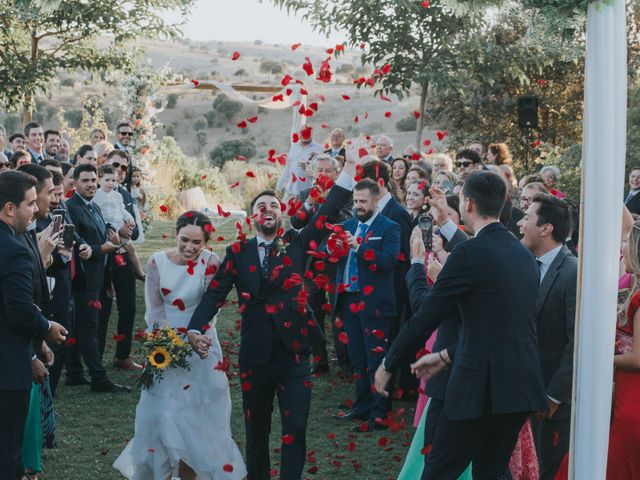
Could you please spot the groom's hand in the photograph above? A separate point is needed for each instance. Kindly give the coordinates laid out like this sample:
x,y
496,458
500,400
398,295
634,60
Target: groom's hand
x,y
382,379
199,343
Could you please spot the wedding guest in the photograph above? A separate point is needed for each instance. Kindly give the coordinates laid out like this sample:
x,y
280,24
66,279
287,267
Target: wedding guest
x,y
20,319
200,414
3,140
64,152
19,158
336,149
384,149
531,178
478,147
550,176
139,195
34,137
445,180
5,164
68,182
96,136
510,177
498,154
442,163
273,357
417,200
51,144
16,142
89,280
373,240
85,155
529,191
425,165
632,199
124,135
467,162
101,150
294,178
415,174
545,227
399,169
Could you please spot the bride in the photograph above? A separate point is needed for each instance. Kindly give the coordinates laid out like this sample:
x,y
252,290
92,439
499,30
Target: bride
x,y
183,421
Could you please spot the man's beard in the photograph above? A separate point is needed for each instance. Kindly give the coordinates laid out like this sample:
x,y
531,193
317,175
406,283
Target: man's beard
x,y
365,216
262,228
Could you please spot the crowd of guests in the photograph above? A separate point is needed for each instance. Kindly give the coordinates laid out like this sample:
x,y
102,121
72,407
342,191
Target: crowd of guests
x,y
87,212
478,327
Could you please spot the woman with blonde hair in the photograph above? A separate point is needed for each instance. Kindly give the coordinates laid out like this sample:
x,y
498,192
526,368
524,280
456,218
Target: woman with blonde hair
x,y
498,154
102,149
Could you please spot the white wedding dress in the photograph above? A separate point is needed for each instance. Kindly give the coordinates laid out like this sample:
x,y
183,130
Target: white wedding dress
x,y
186,415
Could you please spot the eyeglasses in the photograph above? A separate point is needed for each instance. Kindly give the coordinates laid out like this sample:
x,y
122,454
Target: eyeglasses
x,y
119,165
127,134
464,164
5,165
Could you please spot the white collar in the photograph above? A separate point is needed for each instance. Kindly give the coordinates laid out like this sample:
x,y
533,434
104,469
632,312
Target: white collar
x,y
548,258
383,201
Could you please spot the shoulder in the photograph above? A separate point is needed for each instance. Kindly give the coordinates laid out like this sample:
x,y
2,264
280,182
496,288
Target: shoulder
x,y
387,223
15,253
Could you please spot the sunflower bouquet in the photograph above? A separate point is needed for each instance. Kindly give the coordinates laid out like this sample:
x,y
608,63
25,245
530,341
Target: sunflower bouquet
x,y
164,348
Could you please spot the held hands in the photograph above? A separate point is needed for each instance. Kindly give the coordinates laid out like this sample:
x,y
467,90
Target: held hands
x,y
428,365
382,379
199,343
417,244
548,414
439,207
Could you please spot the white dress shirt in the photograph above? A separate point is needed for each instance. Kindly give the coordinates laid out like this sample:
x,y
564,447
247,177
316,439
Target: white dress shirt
x,y
546,260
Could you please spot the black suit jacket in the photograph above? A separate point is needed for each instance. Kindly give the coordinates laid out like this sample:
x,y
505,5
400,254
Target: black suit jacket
x,y
492,280
91,276
21,320
342,152
556,307
634,203
128,205
273,305
302,217
41,293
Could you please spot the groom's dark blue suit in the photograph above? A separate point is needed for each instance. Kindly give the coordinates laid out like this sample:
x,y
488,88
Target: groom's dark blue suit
x,y
275,337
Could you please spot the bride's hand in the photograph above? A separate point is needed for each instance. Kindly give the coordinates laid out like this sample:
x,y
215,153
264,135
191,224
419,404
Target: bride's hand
x,y
199,343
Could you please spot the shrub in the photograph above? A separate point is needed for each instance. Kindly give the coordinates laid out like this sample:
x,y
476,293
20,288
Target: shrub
x,y
73,117
226,107
170,131
188,113
172,100
200,123
270,67
68,82
407,124
240,73
258,42
230,149
211,117
201,139
12,124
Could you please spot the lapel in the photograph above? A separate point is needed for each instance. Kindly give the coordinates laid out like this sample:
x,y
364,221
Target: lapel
x,y
251,257
35,251
85,207
550,277
387,207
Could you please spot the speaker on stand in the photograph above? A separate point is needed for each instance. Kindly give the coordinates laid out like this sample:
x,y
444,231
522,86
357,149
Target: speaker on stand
x,y
527,119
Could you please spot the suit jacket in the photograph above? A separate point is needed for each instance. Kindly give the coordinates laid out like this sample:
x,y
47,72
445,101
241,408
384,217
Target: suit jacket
x,y
556,307
492,280
634,203
274,310
128,205
91,276
302,217
21,320
383,240
342,152
41,293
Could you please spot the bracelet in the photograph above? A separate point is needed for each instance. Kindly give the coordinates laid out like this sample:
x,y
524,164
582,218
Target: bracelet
x,y
442,358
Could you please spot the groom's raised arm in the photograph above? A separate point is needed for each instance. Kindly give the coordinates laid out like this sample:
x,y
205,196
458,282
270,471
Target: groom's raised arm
x,y
215,295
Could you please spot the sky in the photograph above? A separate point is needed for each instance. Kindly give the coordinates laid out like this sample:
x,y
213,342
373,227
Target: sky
x,y
248,20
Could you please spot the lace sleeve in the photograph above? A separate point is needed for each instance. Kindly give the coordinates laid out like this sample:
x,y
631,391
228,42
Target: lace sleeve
x,y
152,295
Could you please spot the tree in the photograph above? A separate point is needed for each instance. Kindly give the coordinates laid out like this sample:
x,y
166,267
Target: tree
x,y
172,100
230,149
420,43
270,67
40,38
226,107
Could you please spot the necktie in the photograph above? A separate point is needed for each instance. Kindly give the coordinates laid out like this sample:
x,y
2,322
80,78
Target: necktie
x,y
539,269
266,260
96,216
353,261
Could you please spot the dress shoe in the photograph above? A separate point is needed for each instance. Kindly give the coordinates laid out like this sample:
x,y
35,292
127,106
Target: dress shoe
x,y
126,364
107,386
369,426
320,368
350,416
75,381
343,406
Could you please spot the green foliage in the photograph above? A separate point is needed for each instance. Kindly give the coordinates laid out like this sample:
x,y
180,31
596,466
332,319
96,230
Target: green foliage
x,y
170,131
240,73
172,100
201,139
226,107
345,69
68,82
200,123
73,117
230,149
38,39
212,118
270,67
407,124
12,123
633,133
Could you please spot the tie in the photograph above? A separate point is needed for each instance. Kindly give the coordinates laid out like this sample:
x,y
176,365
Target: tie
x,y
539,268
353,261
96,216
266,260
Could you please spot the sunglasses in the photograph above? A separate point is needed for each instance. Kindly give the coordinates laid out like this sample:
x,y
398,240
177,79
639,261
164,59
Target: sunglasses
x,y
120,165
464,164
127,134
5,164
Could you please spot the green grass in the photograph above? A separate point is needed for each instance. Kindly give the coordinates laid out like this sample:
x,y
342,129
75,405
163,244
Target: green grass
x,y
93,428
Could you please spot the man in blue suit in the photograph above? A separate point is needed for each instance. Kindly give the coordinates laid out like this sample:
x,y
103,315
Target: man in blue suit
x,y
368,303
496,378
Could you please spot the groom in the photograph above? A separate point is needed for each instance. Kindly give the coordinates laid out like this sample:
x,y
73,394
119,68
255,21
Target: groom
x,y
276,328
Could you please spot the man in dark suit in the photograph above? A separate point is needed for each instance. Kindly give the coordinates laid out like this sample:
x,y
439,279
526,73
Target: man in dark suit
x,y
632,199
89,280
337,150
545,226
276,324
496,380
325,171
367,305
384,149
34,135
123,275
21,321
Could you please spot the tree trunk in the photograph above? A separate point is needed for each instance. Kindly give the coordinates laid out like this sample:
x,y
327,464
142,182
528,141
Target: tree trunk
x,y
420,126
28,96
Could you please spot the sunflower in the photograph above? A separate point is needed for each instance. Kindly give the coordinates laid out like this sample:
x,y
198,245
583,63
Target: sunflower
x,y
159,358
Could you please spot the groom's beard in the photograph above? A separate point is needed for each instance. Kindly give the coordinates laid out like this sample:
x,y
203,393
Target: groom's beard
x,y
268,230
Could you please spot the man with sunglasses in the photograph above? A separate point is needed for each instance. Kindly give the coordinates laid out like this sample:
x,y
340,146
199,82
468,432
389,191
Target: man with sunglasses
x,y
5,164
125,134
467,162
122,273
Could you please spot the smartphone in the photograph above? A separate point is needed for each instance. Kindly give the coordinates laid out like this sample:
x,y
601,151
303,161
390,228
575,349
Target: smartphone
x,y
425,222
57,223
447,187
68,235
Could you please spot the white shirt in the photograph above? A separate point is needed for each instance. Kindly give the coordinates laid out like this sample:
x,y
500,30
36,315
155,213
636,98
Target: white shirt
x,y
383,201
112,206
546,260
300,154
352,251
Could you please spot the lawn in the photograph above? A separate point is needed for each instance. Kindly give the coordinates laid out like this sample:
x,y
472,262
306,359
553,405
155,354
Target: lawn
x,y
93,428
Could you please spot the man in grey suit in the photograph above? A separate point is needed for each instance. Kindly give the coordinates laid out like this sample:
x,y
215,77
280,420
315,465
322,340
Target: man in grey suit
x,y
545,226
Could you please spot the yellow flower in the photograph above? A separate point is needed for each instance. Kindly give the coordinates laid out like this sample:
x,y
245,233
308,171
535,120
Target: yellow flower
x,y
159,358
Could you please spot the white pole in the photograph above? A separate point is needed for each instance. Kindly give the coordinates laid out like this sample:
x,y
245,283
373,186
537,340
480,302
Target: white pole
x,y
604,146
